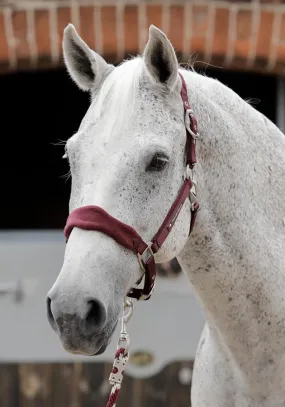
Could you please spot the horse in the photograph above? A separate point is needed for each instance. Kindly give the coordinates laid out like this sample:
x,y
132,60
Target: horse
x,y
128,157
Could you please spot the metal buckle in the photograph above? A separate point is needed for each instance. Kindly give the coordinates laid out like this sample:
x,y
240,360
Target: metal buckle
x,y
124,340
145,297
140,256
187,120
193,196
189,174
193,190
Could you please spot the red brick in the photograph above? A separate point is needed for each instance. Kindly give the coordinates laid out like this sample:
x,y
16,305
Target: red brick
x,y
4,50
198,29
131,26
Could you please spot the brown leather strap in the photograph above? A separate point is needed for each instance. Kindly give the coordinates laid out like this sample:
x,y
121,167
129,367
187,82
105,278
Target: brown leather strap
x,y
95,218
171,217
191,142
149,281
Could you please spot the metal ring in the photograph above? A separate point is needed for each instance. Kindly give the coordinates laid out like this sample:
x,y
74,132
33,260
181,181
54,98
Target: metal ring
x,y
188,112
140,256
187,173
128,305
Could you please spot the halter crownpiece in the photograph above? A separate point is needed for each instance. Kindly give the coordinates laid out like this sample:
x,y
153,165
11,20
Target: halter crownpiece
x,y
95,218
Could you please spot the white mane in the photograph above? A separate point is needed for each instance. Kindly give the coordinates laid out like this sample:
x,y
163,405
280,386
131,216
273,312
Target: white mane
x,y
118,94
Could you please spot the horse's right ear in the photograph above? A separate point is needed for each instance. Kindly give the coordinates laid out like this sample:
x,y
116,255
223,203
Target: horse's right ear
x,y
160,58
86,67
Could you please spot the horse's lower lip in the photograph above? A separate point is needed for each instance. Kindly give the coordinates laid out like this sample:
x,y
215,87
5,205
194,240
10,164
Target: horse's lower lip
x,y
78,344
86,350
100,350
105,343
90,347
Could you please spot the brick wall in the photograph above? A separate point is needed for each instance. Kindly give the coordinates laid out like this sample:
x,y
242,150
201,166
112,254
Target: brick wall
x,y
246,35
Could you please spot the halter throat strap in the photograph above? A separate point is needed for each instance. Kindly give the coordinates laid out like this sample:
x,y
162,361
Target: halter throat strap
x,y
95,218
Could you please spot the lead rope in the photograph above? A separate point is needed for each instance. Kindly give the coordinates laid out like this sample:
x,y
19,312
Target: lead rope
x,y
121,356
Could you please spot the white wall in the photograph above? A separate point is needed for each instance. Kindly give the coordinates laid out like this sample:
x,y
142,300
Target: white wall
x,y
168,325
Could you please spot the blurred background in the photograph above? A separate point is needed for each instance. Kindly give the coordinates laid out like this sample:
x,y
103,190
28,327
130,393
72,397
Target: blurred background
x,y
241,43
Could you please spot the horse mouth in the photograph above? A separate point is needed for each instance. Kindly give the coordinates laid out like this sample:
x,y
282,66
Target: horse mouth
x,y
101,350
80,345
84,347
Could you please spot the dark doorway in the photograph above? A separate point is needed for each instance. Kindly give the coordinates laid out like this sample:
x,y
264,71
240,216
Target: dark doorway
x,y
41,108
261,88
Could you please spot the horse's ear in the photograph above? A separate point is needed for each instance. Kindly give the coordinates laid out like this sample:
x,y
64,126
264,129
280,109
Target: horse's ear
x,y
86,67
160,58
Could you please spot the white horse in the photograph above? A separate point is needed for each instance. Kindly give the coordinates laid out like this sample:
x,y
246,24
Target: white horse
x,y
128,157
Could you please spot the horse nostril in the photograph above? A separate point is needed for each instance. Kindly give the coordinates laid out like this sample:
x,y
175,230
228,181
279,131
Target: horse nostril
x,y
49,313
95,317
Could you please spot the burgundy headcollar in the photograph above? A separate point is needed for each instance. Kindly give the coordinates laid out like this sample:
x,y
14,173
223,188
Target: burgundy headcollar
x,y
95,218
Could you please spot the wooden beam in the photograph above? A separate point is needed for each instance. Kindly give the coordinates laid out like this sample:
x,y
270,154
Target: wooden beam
x,y
243,36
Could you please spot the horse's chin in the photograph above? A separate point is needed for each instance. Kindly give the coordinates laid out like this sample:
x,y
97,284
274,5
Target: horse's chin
x,y
101,350
88,347
102,346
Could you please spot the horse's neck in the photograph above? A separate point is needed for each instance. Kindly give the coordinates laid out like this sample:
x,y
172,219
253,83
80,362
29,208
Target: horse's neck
x,y
235,258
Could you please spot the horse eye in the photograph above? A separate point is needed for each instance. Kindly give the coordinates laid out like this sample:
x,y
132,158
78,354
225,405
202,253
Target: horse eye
x,y
157,163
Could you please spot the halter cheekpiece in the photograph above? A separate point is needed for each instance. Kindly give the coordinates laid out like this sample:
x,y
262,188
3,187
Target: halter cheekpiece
x,y
95,218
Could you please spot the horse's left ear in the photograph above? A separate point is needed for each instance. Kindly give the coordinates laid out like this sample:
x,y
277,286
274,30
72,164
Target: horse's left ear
x,y
85,66
160,58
